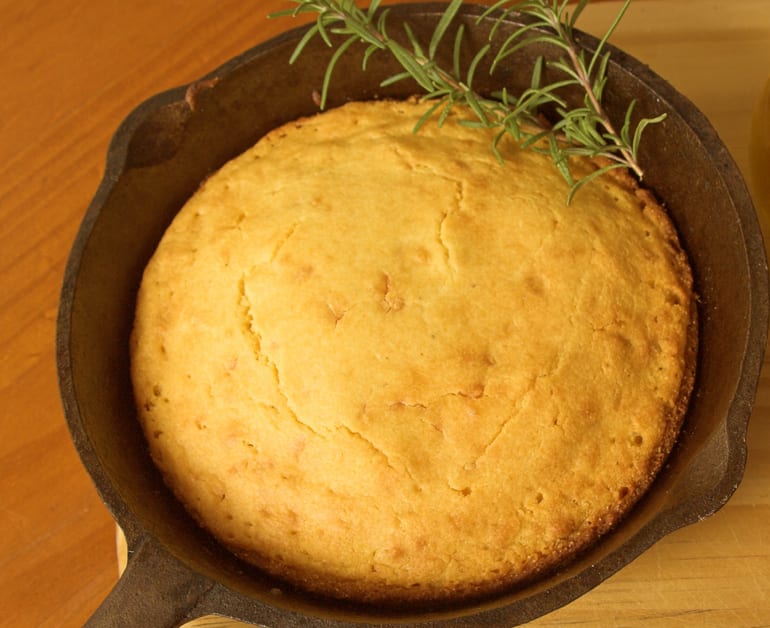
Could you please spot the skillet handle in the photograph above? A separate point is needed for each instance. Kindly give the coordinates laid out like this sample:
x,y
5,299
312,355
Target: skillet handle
x,y
155,590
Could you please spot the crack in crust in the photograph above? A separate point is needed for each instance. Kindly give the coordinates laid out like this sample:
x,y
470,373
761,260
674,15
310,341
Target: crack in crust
x,y
254,338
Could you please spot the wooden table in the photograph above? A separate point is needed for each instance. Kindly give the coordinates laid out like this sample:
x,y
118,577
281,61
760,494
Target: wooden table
x,y
71,70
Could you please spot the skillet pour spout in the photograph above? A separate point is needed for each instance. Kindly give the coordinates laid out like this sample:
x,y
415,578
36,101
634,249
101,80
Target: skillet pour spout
x,y
173,141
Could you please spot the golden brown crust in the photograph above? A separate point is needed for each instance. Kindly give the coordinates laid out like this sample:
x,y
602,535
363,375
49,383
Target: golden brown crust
x,y
385,367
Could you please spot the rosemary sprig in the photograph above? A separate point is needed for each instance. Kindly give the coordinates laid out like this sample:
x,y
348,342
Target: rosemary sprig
x,y
582,130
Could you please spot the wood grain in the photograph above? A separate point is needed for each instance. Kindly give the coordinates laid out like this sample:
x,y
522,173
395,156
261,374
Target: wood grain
x,y
71,70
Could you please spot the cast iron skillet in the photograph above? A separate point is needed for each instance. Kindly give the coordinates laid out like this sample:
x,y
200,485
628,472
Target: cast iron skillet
x,y
169,144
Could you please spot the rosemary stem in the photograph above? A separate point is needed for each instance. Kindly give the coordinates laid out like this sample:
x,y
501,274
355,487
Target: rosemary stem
x,y
602,115
585,130
585,81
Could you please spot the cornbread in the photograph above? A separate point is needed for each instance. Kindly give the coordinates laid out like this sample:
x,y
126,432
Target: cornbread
x,y
386,366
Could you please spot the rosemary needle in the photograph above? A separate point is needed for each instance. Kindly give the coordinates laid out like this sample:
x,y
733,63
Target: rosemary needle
x,y
579,130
